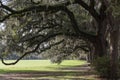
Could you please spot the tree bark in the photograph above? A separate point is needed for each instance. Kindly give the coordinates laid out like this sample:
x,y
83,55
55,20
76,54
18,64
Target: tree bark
x,y
100,47
114,37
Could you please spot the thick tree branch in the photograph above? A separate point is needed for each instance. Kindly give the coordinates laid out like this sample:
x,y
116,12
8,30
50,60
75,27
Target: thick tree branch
x,y
90,9
39,8
13,63
56,7
34,50
92,4
74,23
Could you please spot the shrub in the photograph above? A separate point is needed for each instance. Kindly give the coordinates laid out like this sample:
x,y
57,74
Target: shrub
x,y
102,66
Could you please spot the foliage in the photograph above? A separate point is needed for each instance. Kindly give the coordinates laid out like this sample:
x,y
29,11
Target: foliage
x,y
102,66
26,30
116,8
71,48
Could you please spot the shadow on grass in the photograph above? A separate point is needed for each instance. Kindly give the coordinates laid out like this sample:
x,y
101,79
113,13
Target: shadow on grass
x,y
46,75
56,75
46,72
65,73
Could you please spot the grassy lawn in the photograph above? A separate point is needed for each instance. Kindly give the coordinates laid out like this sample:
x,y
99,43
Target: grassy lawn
x,y
45,70
38,65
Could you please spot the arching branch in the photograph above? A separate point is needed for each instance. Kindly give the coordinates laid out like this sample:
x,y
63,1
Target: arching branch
x,y
56,8
75,26
34,50
90,9
26,53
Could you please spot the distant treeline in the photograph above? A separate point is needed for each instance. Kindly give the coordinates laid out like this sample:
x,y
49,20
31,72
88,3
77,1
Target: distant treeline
x,y
16,56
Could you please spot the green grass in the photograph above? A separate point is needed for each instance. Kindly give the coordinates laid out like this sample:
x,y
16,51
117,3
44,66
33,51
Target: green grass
x,y
44,70
38,65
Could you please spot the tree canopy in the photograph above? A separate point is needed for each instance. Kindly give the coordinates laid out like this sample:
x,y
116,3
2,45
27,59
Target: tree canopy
x,y
24,30
36,26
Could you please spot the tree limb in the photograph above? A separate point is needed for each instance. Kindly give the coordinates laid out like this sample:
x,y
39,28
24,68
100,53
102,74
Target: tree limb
x,y
26,53
57,7
92,4
13,63
90,9
74,23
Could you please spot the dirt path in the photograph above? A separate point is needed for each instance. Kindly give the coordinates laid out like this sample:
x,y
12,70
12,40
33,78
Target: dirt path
x,y
83,72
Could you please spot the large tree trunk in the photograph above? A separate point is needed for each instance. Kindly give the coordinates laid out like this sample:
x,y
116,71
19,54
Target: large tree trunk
x,y
114,39
100,47
114,54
